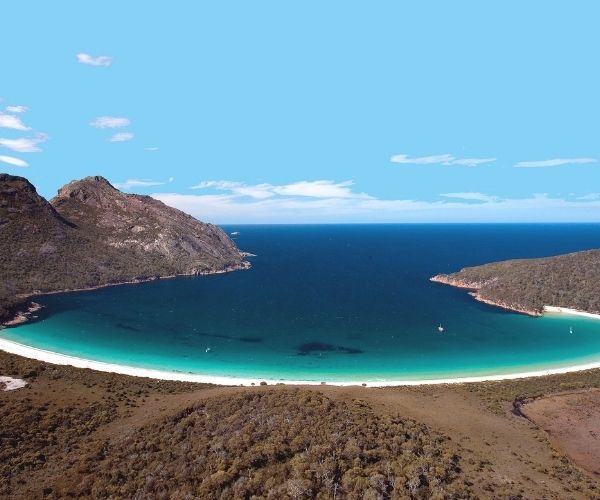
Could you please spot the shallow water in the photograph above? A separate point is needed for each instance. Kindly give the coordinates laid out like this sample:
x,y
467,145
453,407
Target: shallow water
x,y
350,302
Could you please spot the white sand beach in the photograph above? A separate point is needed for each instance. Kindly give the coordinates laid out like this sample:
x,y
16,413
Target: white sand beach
x,y
63,359
573,312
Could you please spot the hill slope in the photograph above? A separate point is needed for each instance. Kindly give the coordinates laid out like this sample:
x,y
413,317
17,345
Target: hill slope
x,y
91,234
527,285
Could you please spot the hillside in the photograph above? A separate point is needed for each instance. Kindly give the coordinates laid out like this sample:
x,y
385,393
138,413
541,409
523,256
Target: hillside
x,y
85,434
527,285
91,234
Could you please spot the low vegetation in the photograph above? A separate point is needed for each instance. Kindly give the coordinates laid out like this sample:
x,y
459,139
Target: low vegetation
x,y
571,280
86,434
500,395
276,444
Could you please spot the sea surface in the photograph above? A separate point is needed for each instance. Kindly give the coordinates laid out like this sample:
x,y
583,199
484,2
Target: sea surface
x,y
329,303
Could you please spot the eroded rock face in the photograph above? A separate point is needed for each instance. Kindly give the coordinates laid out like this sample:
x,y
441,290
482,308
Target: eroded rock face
x,y
92,234
143,224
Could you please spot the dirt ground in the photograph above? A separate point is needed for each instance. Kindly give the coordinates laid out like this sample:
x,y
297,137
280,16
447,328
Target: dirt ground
x,y
65,413
572,421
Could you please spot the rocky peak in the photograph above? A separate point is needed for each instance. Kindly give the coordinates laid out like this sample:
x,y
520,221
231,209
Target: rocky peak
x,y
89,189
19,196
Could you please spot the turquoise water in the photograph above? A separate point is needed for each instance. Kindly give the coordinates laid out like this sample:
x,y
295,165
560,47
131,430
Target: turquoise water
x,y
350,302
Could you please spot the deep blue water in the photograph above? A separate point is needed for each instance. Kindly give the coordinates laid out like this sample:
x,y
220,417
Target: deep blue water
x,y
330,302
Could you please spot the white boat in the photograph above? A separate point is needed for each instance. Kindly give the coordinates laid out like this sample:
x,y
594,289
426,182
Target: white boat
x,y
235,233
570,329
208,349
440,328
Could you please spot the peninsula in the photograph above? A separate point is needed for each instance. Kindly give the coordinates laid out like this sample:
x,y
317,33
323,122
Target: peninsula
x,y
530,286
91,235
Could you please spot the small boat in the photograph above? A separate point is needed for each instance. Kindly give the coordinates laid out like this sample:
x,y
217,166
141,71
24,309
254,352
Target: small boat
x,y
570,329
208,349
235,233
440,328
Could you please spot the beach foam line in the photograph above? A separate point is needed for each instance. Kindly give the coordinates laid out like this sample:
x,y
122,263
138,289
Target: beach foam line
x,y
65,359
573,312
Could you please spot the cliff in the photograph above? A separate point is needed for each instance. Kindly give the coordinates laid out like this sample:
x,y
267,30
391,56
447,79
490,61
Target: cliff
x,y
91,234
527,285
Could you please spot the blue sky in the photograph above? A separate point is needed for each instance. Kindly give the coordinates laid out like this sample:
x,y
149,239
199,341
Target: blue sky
x,y
312,111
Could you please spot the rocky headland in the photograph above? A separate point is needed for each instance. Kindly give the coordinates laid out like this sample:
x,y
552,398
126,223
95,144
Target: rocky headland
x,y
529,285
92,235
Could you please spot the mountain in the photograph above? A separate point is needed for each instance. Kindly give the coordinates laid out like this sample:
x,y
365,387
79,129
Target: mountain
x,y
91,234
527,285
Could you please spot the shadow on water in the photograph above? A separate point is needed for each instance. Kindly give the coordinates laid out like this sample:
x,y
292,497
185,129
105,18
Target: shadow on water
x,y
320,347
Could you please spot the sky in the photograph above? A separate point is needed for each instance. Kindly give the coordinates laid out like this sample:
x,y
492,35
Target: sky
x,y
311,111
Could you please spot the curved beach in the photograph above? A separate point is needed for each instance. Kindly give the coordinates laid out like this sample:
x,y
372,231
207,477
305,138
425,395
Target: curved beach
x,y
64,359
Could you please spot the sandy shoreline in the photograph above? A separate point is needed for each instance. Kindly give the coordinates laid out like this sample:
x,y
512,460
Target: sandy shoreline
x,y
64,359
474,292
572,312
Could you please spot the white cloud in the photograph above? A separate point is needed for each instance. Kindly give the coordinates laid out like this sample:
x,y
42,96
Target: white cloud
x,y
590,196
171,179
231,208
422,160
84,58
471,196
110,122
154,148
15,162
258,191
24,144
16,109
471,162
310,189
555,162
445,159
319,189
131,183
121,137
13,122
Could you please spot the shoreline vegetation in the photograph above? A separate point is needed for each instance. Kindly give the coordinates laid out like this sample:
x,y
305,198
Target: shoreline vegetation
x,y
568,283
474,287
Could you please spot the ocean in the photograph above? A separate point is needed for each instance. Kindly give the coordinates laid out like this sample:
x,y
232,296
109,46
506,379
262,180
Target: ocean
x,y
329,303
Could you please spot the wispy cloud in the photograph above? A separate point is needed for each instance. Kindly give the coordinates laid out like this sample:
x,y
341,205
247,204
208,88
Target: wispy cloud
x,y
132,183
121,137
555,162
310,189
153,148
11,160
445,159
232,208
319,189
472,196
471,162
421,160
12,122
110,122
590,196
24,144
17,109
257,191
84,58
